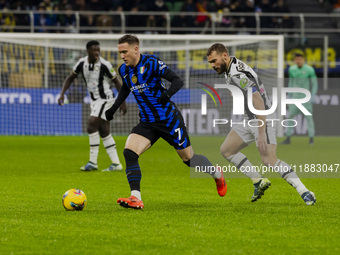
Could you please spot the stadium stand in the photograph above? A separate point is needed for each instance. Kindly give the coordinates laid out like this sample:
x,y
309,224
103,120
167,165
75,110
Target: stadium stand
x,y
68,16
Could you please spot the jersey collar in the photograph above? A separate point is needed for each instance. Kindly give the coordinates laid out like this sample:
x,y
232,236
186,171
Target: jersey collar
x,y
140,60
229,64
94,62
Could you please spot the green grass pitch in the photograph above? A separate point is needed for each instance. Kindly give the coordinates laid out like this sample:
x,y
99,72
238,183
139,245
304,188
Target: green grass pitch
x,y
182,215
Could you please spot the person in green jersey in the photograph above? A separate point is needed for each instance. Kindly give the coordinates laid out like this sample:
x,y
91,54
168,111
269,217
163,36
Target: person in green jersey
x,y
302,75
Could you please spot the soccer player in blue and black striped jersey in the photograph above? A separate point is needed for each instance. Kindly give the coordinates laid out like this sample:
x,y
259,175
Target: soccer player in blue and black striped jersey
x,y
159,116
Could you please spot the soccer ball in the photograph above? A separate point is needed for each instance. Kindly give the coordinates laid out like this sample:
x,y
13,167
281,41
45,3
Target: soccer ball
x,y
74,199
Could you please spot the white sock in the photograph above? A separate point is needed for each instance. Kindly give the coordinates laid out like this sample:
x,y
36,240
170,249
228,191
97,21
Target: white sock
x,y
290,176
110,146
216,174
136,193
94,146
244,165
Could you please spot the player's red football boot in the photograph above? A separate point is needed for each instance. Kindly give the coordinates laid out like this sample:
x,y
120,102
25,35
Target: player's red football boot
x,y
221,184
131,202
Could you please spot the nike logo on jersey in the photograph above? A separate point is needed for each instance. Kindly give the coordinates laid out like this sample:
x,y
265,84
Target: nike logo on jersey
x,y
180,144
125,76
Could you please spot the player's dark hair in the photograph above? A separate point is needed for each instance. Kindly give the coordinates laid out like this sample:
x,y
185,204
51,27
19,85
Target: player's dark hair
x,y
91,43
299,55
130,39
218,47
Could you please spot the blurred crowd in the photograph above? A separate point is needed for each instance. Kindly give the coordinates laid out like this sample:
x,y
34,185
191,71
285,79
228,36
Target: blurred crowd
x,y
47,20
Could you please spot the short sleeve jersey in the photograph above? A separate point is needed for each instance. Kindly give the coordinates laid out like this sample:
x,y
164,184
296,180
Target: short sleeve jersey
x,y
97,77
243,76
144,81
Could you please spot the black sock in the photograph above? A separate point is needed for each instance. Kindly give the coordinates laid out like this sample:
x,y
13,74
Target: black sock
x,y
133,172
201,162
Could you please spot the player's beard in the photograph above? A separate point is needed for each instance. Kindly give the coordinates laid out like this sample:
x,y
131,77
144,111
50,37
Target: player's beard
x,y
222,69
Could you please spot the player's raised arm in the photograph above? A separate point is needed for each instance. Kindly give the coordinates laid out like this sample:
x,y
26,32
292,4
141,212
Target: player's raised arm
x,y
176,85
66,85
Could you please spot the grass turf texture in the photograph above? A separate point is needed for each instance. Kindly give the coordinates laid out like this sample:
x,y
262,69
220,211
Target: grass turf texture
x,y
182,215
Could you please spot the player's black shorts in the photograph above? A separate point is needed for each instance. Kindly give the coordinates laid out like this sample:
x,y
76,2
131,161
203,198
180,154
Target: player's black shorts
x,y
172,130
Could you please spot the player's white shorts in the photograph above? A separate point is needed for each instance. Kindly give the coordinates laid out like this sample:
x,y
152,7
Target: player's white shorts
x,y
99,107
250,134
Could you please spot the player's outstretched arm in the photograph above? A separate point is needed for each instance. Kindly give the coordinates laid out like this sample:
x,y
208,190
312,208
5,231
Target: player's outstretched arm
x,y
290,75
66,85
176,85
262,138
122,95
118,86
314,81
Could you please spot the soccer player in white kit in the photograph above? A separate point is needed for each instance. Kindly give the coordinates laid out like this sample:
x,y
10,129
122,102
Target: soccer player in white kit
x,y
241,75
98,74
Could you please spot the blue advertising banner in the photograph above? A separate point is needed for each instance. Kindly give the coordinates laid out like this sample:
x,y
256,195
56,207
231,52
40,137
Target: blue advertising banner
x,y
36,112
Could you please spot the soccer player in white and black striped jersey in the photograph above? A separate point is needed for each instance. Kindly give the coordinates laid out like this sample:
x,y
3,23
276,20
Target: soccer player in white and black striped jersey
x,y
98,74
242,76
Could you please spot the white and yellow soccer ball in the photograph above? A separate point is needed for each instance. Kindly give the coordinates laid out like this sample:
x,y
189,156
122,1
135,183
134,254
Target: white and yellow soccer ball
x,y
74,200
